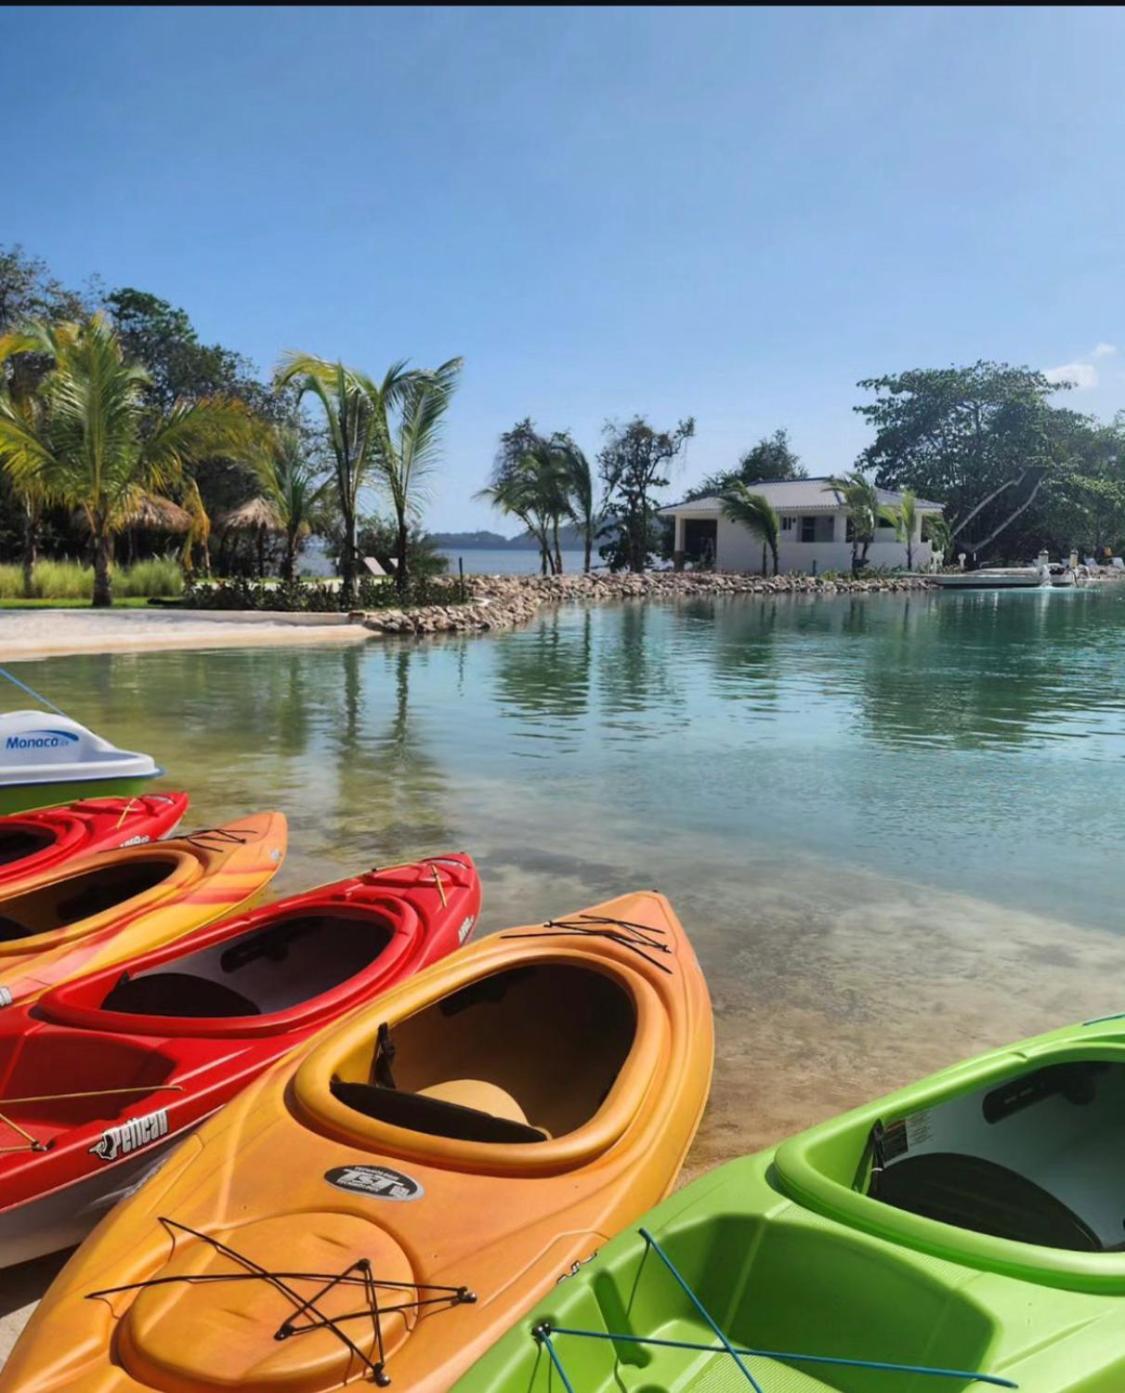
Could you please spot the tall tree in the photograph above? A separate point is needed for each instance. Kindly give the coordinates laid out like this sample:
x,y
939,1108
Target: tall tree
x,y
903,517
409,408
579,483
351,418
94,447
634,461
861,499
295,489
771,458
532,486
978,439
754,512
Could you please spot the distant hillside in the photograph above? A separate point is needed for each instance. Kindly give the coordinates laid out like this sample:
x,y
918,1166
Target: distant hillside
x,y
569,537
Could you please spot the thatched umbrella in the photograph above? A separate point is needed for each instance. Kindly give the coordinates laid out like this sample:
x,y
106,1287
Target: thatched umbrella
x,y
258,515
156,514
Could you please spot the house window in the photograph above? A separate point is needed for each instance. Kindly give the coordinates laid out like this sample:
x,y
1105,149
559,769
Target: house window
x,y
818,528
788,524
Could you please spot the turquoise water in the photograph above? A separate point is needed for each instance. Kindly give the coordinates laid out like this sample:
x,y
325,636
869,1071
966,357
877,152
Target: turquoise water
x,y
893,825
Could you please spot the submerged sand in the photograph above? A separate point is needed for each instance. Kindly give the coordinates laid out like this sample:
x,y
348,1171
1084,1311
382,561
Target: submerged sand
x,y
830,986
38,633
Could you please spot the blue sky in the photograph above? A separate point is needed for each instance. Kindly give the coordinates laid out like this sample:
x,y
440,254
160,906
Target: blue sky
x,y
731,214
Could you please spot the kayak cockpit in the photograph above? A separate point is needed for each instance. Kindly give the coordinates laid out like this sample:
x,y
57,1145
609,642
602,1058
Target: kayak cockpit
x,y
523,1056
18,841
53,1083
272,968
67,900
1034,1159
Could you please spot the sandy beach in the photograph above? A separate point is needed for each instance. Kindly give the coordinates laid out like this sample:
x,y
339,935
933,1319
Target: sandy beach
x,y
38,633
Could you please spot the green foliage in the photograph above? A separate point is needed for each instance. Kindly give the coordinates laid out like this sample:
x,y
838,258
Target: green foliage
x,y
91,445
316,597
861,499
754,512
903,517
295,488
771,458
378,537
68,580
634,461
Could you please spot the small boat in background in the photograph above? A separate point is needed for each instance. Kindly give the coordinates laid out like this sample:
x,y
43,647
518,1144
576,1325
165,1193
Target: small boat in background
x,y
103,1076
47,759
992,578
32,843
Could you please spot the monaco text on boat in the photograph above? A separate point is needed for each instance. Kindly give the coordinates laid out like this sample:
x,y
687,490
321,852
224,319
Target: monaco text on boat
x,y
103,1076
47,759
385,1206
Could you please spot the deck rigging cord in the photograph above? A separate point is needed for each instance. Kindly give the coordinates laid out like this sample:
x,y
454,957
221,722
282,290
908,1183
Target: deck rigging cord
x,y
545,1332
33,1142
306,1316
637,937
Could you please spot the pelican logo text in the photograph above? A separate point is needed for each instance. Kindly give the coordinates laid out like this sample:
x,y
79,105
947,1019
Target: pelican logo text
x,y
6,997
39,740
466,929
131,1136
380,1182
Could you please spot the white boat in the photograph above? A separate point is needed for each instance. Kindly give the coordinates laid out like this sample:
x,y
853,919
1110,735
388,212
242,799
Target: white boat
x,y
992,578
46,758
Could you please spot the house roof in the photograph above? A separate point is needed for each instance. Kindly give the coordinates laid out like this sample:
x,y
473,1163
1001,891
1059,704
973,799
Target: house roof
x,y
800,495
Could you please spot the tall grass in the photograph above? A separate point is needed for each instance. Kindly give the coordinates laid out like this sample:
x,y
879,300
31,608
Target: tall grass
x,y
67,580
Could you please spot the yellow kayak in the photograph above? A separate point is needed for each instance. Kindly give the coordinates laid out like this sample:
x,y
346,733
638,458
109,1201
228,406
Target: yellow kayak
x,y
382,1208
103,909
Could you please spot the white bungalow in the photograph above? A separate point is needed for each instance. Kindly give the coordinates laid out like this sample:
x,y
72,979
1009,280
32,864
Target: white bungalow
x,y
815,531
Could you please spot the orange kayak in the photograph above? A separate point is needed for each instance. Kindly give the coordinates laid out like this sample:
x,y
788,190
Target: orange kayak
x,y
382,1207
103,909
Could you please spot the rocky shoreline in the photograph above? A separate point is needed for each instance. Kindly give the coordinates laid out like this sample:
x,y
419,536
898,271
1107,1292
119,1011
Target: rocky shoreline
x,y
501,602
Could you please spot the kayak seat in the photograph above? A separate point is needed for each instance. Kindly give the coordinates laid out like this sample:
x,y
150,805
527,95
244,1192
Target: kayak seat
x,y
480,1095
177,994
973,1193
436,1116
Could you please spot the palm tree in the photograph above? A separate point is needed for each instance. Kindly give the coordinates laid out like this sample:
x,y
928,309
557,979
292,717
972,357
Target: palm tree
x,y
861,498
292,489
754,512
352,417
95,445
939,533
535,488
903,517
409,407
20,376
580,493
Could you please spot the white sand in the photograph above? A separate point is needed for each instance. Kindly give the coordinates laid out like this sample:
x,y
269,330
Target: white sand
x,y
32,633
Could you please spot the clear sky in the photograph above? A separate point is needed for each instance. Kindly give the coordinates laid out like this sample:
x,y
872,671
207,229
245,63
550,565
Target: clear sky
x,y
733,214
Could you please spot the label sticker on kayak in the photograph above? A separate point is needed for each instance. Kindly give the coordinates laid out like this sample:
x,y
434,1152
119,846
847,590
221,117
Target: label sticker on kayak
x,y
380,1182
139,840
130,1136
466,929
5,996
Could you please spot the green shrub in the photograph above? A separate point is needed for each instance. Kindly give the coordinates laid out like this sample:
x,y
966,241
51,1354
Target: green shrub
x,y
309,597
68,580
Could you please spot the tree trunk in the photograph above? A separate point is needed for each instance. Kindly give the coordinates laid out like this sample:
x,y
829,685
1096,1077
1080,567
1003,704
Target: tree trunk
x,y
30,550
288,565
401,579
103,582
558,550
589,548
773,553
348,549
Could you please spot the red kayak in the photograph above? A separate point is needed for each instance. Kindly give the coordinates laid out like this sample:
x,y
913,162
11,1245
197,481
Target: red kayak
x,y
31,843
106,1073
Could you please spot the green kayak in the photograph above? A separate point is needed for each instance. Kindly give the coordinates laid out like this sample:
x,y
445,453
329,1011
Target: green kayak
x,y
966,1232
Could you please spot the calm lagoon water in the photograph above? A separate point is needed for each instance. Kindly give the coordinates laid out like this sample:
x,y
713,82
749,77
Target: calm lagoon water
x,y
894,825
483,561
